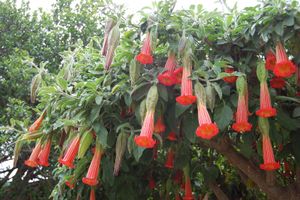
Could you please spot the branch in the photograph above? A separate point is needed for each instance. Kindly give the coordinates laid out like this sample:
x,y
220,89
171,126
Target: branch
x,y
217,191
224,147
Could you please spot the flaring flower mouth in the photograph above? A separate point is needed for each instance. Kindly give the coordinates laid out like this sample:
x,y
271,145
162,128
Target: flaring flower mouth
x,y
144,58
167,78
242,127
188,198
270,166
270,62
89,181
266,112
186,99
284,69
43,163
31,163
67,163
207,131
144,141
277,83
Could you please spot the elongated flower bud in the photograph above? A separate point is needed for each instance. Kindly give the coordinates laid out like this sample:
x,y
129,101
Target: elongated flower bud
x,y
44,154
71,153
113,42
134,72
93,171
120,150
35,84
33,159
152,98
284,67
145,56
37,124
170,159
168,77
186,97
85,143
109,25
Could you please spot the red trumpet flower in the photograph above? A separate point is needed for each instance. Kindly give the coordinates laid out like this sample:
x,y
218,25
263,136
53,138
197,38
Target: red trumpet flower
x,y
268,155
145,138
152,183
178,75
187,96
168,78
93,171
145,56
266,109
230,79
170,159
206,129
159,126
71,153
172,136
284,67
277,83
92,194
33,159
44,154
242,125
188,195
270,60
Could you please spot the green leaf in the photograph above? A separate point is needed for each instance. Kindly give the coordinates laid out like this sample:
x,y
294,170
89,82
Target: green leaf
x,y
62,83
107,166
223,116
211,173
140,91
94,113
98,99
296,112
217,89
101,133
180,109
133,149
189,126
279,28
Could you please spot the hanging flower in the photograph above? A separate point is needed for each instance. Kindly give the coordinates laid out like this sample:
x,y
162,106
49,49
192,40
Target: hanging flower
x,y
120,151
159,126
92,194
268,155
188,194
37,124
230,79
71,153
270,60
170,159
168,78
152,183
284,67
44,154
266,109
187,96
93,171
242,125
145,56
172,136
113,42
33,159
145,138
177,196
277,83
206,128
108,26
178,75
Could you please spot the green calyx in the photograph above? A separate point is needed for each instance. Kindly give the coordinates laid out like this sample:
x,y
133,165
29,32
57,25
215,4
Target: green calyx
x,y
261,72
241,85
200,93
263,125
